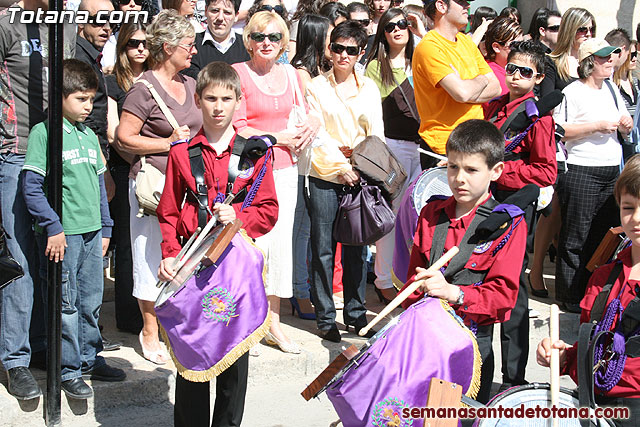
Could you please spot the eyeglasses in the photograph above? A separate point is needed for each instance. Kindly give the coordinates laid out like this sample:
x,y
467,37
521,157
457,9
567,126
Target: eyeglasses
x,y
277,9
553,28
526,73
363,22
633,55
126,2
391,26
188,47
135,43
339,48
259,37
94,21
582,31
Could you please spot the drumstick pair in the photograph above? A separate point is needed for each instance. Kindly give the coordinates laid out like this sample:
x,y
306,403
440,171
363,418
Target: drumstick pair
x,y
441,262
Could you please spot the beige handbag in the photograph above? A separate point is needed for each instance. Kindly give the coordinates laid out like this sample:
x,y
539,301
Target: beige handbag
x,y
150,180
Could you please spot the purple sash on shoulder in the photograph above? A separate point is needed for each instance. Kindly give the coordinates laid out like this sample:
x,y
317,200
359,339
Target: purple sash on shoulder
x,y
219,314
428,341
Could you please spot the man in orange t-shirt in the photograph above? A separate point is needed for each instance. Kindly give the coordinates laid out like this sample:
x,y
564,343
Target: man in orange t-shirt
x,y
451,77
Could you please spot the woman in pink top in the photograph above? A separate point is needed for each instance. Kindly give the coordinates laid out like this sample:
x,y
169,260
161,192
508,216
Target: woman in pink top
x,y
500,34
272,103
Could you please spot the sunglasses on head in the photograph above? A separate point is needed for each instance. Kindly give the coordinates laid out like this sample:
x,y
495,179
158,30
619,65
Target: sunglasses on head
x,y
339,48
584,30
135,43
526,73
126,2
363,22
553,28
259,37
277,9
403,24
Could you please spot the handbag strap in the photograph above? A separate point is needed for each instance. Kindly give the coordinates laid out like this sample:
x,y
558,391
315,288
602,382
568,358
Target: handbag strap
x,y
297,93
406,99
163,106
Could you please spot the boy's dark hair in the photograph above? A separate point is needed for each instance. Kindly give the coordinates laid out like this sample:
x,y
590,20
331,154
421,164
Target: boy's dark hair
x,y
430,8
356,6
218,73
629,180
350,30
541,19
534,51
77,76
618,37
235,3
478,136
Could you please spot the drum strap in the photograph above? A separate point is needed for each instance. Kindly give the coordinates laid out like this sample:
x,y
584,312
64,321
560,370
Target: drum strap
x,y
600,303
586,397
469,242
198,170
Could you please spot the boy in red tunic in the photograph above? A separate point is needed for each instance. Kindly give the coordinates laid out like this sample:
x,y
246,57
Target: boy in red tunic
x,y
218,93
475,150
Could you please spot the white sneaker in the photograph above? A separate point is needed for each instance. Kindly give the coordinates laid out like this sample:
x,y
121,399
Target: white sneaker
x,y
254,351
338,302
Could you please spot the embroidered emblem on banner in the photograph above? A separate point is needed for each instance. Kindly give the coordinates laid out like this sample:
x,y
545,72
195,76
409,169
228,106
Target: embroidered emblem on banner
x,y
246,169
219,305
482,247
388,413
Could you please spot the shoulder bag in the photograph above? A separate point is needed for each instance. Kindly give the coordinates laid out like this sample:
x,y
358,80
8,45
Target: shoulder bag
x,y
150,180
10,270
377,163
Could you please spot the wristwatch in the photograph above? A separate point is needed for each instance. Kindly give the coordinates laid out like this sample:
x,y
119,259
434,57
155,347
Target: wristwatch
x,y
460,299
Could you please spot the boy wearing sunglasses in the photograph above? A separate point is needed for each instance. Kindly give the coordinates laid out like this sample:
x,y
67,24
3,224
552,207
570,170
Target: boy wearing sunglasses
x,y
530,158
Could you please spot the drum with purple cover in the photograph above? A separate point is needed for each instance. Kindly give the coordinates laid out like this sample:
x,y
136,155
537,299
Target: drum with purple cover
x,y
394,369
535,395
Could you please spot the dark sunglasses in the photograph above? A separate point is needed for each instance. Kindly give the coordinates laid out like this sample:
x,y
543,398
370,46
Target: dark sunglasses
x,y
126,2
93,21
259,37
526,73
391,26
339,48
633,55
584,30
363,22
135,43
277,9
553,28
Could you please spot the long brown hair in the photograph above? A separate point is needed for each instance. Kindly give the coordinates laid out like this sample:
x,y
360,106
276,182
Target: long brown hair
x,y
122,67
380,49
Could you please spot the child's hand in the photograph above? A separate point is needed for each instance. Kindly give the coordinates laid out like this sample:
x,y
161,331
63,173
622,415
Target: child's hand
x,y
55,247
435,285
166,270
105,245
625,125
543,354
226,213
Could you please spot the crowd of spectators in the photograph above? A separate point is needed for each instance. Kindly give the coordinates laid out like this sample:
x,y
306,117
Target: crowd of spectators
x,y
316,71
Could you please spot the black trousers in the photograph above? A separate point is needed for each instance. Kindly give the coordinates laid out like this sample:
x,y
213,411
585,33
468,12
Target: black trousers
x,y
128,317
192,407
629,402
426,161
484,338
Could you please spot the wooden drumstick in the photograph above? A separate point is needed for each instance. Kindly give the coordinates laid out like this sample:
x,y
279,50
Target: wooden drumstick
x,y
554,335
441,262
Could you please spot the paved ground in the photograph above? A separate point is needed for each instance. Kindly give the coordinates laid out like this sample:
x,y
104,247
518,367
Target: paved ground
x,y
275,382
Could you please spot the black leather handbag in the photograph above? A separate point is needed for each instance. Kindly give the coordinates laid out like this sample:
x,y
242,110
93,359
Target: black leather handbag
x,y
364,216
10,270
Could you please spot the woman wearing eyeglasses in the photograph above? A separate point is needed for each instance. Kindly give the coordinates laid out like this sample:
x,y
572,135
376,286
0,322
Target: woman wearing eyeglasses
x,y
590,118
276,7
145,131
109,49
131,62
348,106
186,8
389,66
500,34
273,103
561,68
627,82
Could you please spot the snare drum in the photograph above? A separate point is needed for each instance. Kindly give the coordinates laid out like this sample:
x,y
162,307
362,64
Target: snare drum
x,y
394,369
432,182
531,396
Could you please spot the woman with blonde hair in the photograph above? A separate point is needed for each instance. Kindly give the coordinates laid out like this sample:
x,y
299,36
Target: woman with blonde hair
x,y
626,81
144,131
273,103
131,61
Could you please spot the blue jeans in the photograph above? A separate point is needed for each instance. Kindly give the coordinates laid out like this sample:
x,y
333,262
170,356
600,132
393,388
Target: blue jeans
x,y
301,245
16,300
323,210
82,286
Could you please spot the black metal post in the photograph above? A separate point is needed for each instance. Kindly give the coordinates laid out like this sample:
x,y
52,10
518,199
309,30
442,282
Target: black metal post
x,y
54,270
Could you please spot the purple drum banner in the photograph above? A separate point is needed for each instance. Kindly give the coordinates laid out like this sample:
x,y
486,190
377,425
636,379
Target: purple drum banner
x,y
219,313
428,341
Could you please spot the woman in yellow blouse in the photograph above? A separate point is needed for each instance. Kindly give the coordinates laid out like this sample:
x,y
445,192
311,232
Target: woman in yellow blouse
x,y
349,108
